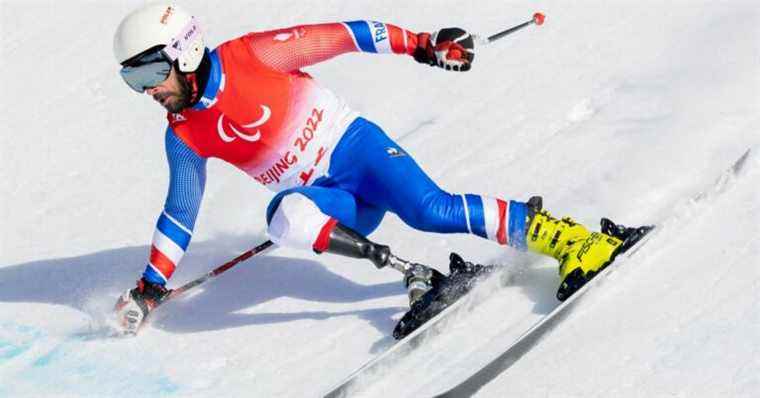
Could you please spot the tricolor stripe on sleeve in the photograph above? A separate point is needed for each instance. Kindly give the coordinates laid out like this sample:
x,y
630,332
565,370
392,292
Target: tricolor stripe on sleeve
x,y
170,241
378,37
496,219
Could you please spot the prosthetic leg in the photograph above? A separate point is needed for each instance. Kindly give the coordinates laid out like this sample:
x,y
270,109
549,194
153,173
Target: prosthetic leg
x,y
430,292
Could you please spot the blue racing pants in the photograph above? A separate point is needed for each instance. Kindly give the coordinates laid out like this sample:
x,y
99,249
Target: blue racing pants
x,y
370,175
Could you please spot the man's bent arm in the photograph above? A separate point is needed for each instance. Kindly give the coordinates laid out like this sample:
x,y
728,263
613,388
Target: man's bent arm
x,y
174,228
296,47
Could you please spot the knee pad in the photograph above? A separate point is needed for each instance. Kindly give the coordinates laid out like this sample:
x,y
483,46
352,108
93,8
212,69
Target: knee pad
x,y
296,222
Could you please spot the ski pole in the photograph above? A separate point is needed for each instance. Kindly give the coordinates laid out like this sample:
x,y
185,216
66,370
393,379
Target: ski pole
x,y
538,19
218,270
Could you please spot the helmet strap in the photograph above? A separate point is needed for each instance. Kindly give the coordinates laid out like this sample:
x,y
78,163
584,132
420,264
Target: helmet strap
x,y
199,78
192,78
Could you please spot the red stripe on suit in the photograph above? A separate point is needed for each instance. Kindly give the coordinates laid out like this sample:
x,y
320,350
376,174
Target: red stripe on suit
x,y
501,234
161,262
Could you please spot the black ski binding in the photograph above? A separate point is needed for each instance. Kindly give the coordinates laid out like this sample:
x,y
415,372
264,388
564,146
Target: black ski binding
x,y
445,291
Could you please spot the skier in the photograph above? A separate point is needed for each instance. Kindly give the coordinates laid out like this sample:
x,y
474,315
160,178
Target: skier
x,y
335,174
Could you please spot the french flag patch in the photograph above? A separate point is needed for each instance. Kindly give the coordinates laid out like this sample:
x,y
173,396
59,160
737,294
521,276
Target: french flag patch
x,y
377,37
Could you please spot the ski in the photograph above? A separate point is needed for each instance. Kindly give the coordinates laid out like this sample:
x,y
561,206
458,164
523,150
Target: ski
x,y
456,290
531,337
422,321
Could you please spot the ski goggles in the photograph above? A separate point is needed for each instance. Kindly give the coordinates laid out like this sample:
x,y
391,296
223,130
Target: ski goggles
x,y
152,67
146,71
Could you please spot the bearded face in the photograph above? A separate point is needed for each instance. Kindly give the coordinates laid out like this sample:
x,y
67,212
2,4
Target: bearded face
x,y
174,94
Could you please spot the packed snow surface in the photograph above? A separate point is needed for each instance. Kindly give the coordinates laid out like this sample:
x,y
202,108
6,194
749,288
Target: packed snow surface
x,y
625,109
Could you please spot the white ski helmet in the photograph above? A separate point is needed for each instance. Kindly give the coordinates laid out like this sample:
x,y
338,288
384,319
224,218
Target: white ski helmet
x,y
160,24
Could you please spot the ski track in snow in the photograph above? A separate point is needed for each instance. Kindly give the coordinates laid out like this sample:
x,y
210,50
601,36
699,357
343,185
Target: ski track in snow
x,y
618,109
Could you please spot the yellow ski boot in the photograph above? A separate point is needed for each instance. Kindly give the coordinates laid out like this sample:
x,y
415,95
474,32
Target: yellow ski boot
x,y
581,254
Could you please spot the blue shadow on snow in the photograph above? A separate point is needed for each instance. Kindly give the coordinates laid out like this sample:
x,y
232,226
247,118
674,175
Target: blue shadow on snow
x,y
75,281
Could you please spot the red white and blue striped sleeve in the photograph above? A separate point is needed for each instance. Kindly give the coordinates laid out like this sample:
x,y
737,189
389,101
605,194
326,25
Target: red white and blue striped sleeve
x,y
293,48
496,219
174,229
170,241
381,38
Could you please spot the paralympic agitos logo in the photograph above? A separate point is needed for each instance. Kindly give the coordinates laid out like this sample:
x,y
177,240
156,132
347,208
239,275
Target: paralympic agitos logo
x,y
229,131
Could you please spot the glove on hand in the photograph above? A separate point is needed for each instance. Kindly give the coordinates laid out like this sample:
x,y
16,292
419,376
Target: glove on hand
x,y
135,304
449,48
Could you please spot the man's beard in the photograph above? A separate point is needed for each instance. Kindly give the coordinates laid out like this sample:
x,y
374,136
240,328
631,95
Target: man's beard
x,y
183,98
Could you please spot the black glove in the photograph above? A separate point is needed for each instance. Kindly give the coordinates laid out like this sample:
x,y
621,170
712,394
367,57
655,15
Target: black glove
x,y
135,304
449,48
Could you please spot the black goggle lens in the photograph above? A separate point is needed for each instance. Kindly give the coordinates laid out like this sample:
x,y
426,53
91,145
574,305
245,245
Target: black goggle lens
x,y
146,71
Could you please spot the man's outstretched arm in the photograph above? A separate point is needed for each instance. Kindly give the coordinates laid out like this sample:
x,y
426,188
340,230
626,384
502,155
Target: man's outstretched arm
x,y
296,47
171,238
176,222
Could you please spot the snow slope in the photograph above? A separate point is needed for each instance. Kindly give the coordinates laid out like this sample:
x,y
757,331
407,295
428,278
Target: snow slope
x,y
621,109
